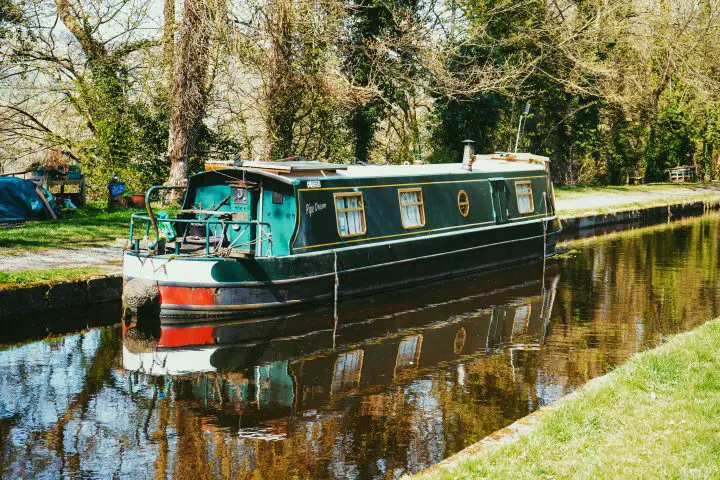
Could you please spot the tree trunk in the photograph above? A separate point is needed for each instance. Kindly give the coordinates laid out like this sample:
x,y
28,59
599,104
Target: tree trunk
x,y
168,43
188,87
362,122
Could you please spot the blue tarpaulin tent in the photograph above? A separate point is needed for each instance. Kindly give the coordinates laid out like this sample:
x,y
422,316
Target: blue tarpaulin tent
x,y
19,200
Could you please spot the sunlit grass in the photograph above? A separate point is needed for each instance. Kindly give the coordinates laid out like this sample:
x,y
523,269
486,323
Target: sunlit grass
x,y
571,191
656,416
649,203
50,275
690,192
78,228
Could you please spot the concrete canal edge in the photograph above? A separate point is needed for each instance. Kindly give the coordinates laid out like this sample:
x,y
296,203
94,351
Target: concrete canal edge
x,y
22,300
19,300
574,223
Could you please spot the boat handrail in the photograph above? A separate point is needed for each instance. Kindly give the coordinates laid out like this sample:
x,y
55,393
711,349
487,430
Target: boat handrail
x,y
148,194
204,221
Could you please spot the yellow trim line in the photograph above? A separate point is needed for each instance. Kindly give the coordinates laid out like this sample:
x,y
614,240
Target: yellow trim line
x,y
299,217
394,235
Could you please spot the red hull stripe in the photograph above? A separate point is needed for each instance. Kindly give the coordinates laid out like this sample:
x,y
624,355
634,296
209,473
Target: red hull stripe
x,y
186,295
186,336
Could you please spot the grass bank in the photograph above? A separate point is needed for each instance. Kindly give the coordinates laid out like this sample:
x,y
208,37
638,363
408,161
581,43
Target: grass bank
x,y
573,201
78,228
656,416
28,278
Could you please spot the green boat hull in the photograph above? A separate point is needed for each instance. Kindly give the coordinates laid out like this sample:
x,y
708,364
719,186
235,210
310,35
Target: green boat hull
x,y
251,287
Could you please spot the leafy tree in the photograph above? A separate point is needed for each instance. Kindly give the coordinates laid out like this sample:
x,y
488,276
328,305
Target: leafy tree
x,y
369,21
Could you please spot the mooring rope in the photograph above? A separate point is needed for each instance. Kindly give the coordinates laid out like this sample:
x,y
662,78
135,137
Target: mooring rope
x,y
335,296
544,251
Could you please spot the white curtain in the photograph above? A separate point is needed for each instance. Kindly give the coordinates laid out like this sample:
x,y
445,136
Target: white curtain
x,y
524,195
341,216
349,223
354,217
411,216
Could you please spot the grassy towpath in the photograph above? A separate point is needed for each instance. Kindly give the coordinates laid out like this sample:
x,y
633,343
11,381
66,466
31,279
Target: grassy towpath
x,y
576,201
655,416
82,243
75,229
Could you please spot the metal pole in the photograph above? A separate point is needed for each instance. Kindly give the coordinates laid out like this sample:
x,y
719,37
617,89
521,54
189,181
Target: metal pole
x,y
517,137
521,124
260,219
207,238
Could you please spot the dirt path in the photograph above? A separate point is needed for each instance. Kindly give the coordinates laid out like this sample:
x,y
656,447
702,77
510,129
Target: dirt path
x,y
108,258
607,198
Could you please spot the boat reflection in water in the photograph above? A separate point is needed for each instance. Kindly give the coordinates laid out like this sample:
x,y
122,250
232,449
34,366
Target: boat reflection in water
x,y
264,378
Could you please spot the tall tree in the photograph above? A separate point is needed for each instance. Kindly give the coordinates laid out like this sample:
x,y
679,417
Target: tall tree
x,y
300,86
168,58
189,86
282,85
83,71
11,13
369,19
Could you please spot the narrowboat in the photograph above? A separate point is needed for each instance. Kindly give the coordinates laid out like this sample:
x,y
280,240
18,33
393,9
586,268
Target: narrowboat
x,y
252,237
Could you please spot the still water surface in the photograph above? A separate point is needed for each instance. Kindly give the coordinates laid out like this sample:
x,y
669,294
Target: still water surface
x,y
398,384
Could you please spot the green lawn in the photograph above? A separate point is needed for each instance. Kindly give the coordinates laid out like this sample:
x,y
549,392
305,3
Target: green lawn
x,y
656,416
78,228
709,198
573,198
570,191
50,275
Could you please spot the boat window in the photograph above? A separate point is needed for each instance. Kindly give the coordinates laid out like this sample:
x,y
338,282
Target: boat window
x,y
350,214
412,210
463,203
522,318
277,198
347,371
523,192
408,355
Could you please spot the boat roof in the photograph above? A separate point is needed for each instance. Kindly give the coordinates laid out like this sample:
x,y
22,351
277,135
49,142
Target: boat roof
x,y
294,165
291,171
481,164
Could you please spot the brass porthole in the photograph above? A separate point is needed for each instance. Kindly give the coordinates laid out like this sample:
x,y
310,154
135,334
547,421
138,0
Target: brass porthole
x,y
463,203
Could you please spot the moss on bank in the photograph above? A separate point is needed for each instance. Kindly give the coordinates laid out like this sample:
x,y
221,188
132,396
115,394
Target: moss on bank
x,y
656,416
28,278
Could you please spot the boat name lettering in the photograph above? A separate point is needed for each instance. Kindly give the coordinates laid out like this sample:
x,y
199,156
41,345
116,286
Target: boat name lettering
x,y
311,208
313,184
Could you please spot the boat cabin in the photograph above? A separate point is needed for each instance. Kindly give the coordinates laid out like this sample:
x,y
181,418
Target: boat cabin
x,y
262,209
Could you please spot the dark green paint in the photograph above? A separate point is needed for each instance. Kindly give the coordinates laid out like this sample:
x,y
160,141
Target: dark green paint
x,y
305,221
318,229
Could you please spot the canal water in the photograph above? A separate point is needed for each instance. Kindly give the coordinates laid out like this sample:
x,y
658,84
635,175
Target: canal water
x,y
395,385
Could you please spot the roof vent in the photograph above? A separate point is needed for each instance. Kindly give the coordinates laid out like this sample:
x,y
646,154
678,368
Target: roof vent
x,y
468,154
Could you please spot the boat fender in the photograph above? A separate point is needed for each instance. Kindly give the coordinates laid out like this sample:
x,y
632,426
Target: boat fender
x,y
139,293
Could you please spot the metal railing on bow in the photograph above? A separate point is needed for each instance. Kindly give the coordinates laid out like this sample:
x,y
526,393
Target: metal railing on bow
x,y
256,234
